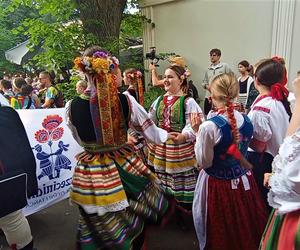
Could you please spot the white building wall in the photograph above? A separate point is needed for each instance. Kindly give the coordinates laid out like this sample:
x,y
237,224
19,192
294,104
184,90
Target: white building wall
x,y
242,29
294,65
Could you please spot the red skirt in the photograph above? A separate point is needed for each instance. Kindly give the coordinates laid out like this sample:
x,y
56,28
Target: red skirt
x,y
235,217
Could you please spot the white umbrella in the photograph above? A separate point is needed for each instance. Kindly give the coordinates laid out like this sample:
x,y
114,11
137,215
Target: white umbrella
x,y
16,54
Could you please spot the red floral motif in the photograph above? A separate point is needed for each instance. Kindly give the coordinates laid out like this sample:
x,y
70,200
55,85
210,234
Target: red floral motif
x,y
103,103
57,134
105,125
41,136
51,122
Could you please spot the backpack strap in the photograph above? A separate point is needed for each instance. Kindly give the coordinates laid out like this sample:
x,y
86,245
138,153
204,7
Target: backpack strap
x,y
29,103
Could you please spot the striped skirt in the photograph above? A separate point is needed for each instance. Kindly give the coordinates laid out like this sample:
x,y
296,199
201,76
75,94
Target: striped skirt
x,y
282,232
175,166
116,194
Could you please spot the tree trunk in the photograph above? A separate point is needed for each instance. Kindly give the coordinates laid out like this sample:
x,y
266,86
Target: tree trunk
x,y
102,19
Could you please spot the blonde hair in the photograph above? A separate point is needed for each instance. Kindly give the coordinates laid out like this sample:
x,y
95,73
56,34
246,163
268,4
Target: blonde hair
x,y
225,88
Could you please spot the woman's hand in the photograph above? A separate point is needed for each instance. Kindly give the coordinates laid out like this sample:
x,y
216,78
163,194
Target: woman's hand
x,y
195,120
178,138
267,179
151,67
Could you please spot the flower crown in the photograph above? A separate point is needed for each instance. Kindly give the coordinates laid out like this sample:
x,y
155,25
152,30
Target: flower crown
x,y
186,74
100,62
135,74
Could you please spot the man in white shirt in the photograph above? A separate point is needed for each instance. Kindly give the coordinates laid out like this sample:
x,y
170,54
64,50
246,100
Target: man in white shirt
x,y
216,68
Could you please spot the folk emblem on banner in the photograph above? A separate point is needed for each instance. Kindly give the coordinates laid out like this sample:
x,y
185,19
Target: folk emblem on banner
x,y
51,163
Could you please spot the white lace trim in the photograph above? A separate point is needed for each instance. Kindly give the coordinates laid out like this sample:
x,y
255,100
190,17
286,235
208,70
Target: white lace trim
x,y
285,182
92,209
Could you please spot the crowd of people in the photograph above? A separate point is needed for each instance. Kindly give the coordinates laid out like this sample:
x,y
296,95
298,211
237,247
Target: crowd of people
x,y
230,168
27,93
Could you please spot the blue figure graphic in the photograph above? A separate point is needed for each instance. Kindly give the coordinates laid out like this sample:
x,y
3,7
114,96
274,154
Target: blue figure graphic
x,y
45,164
61,160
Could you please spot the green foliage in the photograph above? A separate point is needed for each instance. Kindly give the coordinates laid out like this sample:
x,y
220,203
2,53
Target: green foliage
x,y
55,31
7,37
131,26
69,88
151,95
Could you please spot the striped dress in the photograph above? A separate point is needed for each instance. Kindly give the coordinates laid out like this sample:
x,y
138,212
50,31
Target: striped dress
x,y
115,191
175,164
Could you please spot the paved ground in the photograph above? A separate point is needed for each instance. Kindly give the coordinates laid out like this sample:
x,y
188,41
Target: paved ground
x,y
55,229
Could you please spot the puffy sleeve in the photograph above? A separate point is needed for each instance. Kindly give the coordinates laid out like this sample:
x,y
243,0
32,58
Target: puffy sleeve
x,y
191,106
141,123
207,137
261,125
285,181
69,123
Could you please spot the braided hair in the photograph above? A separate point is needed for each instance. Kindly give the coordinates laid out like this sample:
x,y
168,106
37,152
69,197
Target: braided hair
x,y
135,78
225,88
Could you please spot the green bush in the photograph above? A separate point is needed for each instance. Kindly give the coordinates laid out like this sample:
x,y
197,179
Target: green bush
x,y
151,95
69,88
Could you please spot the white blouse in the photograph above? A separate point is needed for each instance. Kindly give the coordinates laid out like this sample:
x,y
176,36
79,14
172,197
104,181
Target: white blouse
x,y
208,136
285,182
270,122
191,106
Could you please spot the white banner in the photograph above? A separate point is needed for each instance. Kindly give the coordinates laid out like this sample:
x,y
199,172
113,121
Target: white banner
x,y
54,149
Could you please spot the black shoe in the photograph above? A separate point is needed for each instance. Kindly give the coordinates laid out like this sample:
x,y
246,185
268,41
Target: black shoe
x,y
28,247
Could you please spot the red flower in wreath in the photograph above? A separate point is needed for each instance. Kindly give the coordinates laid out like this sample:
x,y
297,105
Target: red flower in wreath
x,y
51,122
